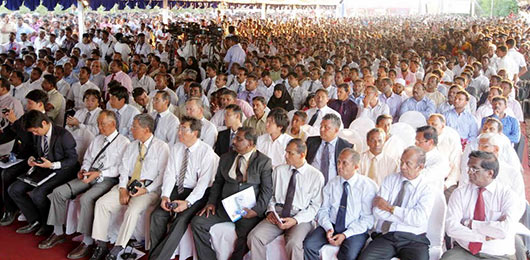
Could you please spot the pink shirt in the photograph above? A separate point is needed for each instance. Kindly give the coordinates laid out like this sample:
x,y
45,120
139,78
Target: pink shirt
x,y
121,77
245,107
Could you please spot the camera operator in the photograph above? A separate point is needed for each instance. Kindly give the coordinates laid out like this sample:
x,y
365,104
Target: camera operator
x,y
235,53
188,48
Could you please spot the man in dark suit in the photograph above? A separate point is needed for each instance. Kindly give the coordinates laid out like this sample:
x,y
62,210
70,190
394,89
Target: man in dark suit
x,y
238,169
23,148
55,146
233,121
323,151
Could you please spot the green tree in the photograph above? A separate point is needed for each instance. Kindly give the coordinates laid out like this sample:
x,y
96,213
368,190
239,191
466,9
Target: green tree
x,y
500,7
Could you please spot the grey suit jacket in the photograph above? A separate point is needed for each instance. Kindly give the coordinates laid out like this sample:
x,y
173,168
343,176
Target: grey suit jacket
x,y
259,176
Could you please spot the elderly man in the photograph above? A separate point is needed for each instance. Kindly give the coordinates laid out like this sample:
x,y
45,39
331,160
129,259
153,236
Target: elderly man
x,y
480,233
296,212
98,174
436,167
195,109
375,164
140,178
241,168
402,209
323,150
186,181
345,217
371,106
448,145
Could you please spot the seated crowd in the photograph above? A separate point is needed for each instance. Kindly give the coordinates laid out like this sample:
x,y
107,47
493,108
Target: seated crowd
x,y
349,140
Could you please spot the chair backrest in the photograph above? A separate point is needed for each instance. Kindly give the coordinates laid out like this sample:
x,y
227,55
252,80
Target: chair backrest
x,y
362,125
436,228
350,135
405,132
413,118
82,138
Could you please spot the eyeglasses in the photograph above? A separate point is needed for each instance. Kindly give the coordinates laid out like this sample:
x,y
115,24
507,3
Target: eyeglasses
x,y
473,170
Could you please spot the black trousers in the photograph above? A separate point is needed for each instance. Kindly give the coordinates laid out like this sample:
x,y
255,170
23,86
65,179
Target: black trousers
x,y
200,225
404,245
9,176
165,241
33,201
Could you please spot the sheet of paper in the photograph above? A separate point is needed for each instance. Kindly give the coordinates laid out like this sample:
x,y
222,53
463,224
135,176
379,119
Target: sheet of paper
x,y
235,203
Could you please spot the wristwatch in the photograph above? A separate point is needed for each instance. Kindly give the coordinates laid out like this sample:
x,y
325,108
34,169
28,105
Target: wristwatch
x,y
189,204
392,210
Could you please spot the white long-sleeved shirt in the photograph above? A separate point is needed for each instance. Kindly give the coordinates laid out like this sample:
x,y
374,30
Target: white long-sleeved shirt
x,y
77,91
167,127
373,112
208,132
274,149
146,82
498,202
323,111
153,166
359,216
413,215
436,168
449,145
92,124
308,190
109,161
126,118
200,172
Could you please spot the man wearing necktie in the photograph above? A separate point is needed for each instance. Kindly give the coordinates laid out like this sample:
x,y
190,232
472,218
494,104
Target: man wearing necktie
x,y
250,91
297,195
402,209
238,170
346,213
166,123
98,174
482,215
143,162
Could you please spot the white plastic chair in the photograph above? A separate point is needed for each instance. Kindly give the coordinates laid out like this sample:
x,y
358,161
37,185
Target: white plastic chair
x,y
224,237
413,118
405,132
351,135
82,138
435,232
362,125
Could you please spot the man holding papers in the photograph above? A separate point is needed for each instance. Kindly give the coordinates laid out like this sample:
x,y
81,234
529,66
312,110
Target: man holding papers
x,y
238,169
346,213
190,170
296,199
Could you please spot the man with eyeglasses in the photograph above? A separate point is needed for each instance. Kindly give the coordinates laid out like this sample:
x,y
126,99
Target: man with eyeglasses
x,y
166,123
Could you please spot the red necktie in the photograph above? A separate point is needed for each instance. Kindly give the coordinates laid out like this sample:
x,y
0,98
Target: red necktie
x,y
479,214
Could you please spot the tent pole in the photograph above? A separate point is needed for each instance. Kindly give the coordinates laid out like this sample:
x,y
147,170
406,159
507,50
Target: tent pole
x,y
165,11
80,18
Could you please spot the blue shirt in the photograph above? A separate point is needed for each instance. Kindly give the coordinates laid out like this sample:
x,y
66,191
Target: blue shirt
x,y
424,106
357,100
510,127
393,102
465,123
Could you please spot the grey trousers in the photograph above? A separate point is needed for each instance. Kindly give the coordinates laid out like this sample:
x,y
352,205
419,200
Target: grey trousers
x,y
60,196
265,232
457,252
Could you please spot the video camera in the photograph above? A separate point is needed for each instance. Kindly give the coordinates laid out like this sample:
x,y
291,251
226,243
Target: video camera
x,y
193,30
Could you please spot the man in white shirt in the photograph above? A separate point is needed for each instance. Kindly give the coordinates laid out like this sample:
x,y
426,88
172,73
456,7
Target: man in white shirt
x,y
98,174
62,86
273,142
9,102
142,47
187,178
297,92
161,85
316,114
313,83
402,209
86,118
370,106
235,53
481,233
375,164
86,45
77,91
345,217
19,89
209,83
297,196
166,123
142,80
208,132
327,81
140,177
436,166
506,62
125,113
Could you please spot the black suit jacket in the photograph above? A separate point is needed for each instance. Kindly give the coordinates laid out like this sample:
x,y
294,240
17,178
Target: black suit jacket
x,y
61,149
313,143
259,176
222,145
23,146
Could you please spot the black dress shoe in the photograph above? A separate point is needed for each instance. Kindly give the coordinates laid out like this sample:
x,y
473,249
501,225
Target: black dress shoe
x,y
44,230
8,218
111,257
99,253
29,228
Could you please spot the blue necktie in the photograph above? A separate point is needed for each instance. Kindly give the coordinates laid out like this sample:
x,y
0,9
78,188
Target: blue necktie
x,y
324,162
340,223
